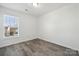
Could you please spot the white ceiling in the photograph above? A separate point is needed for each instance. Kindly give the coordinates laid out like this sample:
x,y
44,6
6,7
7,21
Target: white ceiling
x,y
35,11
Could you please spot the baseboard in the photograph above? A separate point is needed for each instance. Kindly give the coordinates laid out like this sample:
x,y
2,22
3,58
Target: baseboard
x,y
60,44
34,39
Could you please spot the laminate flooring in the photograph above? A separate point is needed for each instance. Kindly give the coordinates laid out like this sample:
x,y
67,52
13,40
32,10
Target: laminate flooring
x,y
37,47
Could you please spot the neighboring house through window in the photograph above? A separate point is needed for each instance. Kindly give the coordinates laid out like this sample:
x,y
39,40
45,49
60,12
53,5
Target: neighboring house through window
x,y
10,26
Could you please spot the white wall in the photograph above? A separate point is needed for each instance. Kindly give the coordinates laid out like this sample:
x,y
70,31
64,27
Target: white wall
x,y
27,27
61,26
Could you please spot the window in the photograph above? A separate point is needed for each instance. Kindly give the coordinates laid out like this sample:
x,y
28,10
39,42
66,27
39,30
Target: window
x,y
10,26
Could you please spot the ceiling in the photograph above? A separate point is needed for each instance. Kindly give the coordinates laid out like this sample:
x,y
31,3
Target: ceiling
x,y
42,8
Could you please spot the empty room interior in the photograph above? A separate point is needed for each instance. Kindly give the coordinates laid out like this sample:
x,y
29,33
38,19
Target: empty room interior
x,y
39,29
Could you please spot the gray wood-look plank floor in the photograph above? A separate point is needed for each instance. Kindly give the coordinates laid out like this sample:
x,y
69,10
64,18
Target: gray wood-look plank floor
x,y
37,47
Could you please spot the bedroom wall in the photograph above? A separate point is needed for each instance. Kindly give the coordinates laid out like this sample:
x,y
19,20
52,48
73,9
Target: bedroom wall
x,y
27,27
61,26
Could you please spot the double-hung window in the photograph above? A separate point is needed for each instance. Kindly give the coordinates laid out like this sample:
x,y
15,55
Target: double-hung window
x,y
10,26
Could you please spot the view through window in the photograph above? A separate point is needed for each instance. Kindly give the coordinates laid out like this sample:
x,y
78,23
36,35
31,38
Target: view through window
x,y
10,26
